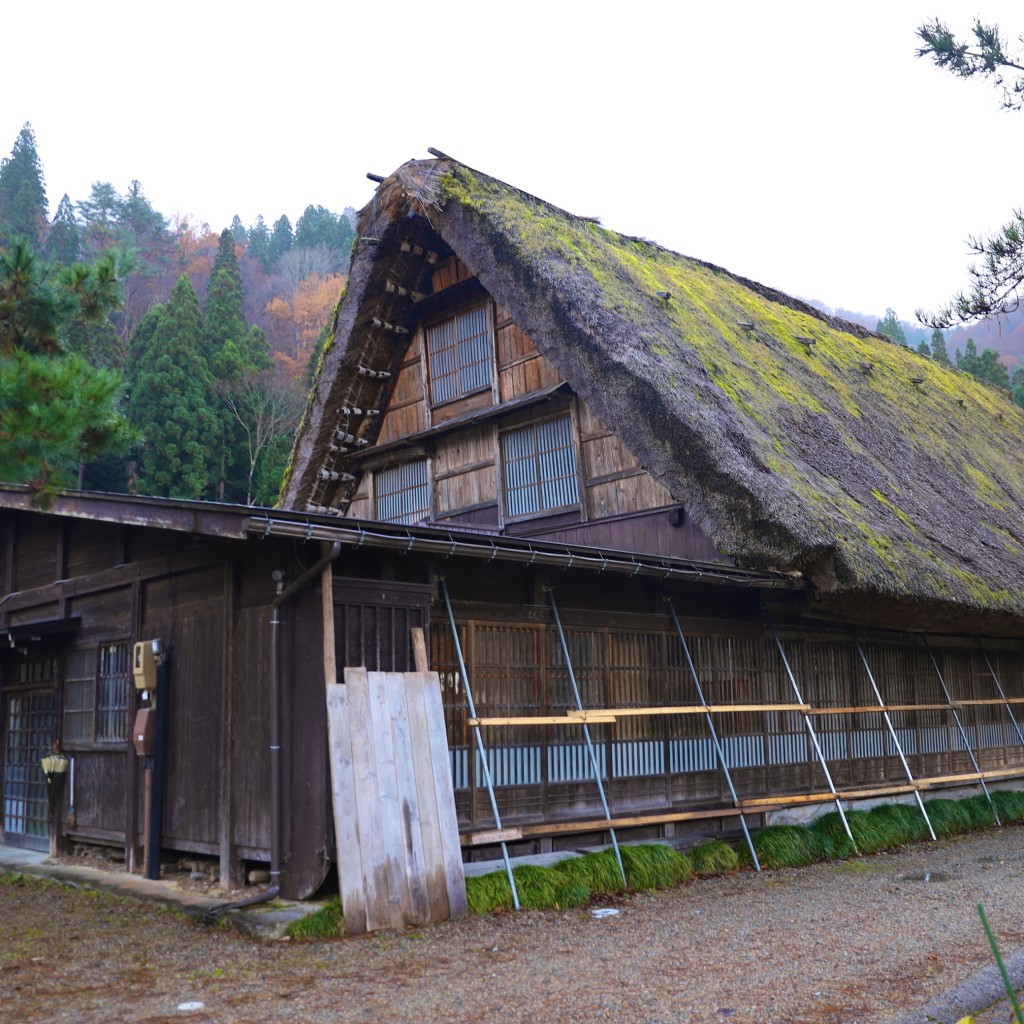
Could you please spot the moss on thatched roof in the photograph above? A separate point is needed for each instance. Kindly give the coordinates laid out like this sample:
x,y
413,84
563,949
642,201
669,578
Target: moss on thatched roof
x,y
796,440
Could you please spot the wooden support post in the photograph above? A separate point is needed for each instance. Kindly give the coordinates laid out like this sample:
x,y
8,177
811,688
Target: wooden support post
x,y
419,650
327,597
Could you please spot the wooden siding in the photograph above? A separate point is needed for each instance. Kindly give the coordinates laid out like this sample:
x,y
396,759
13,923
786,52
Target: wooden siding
x,y
363,505
464,471
615,482
476,402
448,272
250,809
91,547
653,762
406,413
100,793
521,368
649,533
195,738
35,562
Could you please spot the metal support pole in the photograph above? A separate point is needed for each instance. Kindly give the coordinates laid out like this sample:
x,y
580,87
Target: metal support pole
x,y
586,733
810,728
719,752
1002,695
893,736
481,749
963,731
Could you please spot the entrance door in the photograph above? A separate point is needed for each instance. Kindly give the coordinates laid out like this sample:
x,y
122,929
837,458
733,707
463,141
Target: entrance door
x,y
30,720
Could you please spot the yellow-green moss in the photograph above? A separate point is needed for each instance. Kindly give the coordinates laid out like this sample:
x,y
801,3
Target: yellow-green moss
x,y
861,383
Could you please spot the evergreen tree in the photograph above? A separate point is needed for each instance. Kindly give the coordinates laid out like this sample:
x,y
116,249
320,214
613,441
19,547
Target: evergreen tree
x,y
318,226
56,411
23,205
891,327
923,349
985,366
939,353
259,243
239,357
99,215
238,231
281,240
141,228
1017,385
63,244
172,403
969,361
992,370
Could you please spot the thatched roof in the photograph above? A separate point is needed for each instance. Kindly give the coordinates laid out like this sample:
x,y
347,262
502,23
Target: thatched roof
x,y
797,441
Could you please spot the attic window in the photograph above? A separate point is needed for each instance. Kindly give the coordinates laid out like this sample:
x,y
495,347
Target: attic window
x,y
540,468
403,493
459,350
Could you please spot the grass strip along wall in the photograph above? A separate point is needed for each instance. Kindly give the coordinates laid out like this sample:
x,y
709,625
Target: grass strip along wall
x,y
575,881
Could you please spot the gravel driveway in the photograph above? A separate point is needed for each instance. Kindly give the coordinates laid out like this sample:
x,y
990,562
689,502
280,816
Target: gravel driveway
x,y
862,941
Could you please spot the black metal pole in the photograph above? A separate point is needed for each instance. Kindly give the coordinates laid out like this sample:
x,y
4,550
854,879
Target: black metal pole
x,y
156,809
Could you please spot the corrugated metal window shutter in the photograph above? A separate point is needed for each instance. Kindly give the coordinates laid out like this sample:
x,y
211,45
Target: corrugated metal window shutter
x,y
460,354
540,468
403,493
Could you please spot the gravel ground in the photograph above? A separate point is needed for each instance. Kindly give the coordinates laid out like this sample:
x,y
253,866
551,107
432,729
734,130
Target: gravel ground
x,y
867,941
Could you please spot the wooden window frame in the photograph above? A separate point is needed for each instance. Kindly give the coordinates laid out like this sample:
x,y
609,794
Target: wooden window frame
x,y
376,491
429,377
572,448
97,706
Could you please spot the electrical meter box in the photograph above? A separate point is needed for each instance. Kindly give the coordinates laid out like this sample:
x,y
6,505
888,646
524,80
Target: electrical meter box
x,y
144,666
144,732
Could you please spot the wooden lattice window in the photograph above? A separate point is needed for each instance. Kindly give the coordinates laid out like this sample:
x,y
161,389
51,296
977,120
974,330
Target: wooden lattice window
x,y
540,468
403,493
98,695
460,353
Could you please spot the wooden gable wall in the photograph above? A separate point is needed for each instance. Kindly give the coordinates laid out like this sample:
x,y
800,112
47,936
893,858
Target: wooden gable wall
x,y
461,441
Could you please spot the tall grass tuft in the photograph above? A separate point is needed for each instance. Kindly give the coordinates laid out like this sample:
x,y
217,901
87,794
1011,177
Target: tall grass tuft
x,y
979,810
486,893
655,866
599,872
948,817
831,839
1009,803
536,886
713,858
785,846
908,817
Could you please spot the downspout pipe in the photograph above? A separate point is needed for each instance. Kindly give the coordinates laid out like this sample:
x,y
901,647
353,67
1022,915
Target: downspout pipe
x,y
275,733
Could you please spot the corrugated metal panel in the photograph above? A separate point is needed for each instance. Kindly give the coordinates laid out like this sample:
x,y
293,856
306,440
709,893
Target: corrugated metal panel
x,y
403,493
570,762
638,757
540,467
460,355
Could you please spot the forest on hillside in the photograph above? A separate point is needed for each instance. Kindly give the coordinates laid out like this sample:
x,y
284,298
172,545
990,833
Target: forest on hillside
x,y
991,349
209,339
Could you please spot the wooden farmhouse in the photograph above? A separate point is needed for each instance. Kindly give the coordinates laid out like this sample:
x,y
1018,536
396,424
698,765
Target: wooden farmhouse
x,y
686,552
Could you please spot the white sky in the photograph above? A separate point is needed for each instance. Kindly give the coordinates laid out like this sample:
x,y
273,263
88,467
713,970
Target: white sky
x,y
800,144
